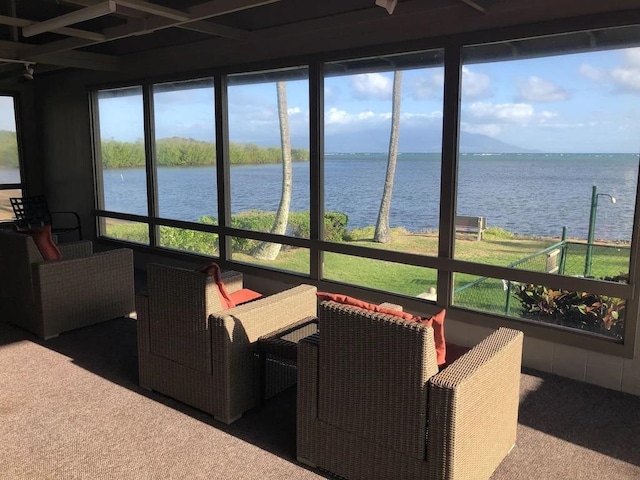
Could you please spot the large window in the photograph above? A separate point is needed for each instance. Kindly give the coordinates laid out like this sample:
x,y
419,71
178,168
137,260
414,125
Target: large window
x,y
536,221
383,146
185,150
10,174
269,164
549,158
122,174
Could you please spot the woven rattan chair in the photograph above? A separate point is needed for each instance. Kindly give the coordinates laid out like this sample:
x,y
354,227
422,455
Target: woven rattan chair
x,y
192,350
51,297
372,405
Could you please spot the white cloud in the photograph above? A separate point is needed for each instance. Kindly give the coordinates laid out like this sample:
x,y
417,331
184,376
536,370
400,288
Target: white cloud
x,y
502,112
536,89
372,85
627,78
294,111
474,84
341,117
592,73
428,86
489,129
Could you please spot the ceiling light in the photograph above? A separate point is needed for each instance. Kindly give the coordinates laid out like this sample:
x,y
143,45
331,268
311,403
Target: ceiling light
x,y
388,4
28,72
82,15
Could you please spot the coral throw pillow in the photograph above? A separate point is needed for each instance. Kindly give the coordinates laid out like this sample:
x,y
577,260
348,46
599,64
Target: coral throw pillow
x,y
227,300
436,321
44,241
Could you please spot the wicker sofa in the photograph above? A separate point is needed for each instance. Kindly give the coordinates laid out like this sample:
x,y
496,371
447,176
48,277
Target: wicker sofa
x,y
192,350
51,297
372,405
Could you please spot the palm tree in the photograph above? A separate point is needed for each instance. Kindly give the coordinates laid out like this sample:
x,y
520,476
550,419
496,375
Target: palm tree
x,y
383,232
267,250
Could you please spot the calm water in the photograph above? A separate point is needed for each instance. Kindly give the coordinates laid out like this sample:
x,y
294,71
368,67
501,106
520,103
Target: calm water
x,y
531,194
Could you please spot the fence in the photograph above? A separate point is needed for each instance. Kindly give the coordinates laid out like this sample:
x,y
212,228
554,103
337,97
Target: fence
x,y
564,258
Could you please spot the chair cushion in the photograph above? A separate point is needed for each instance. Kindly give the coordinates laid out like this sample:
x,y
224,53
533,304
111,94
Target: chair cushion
x,y
436,321
244,295
44,241
227,300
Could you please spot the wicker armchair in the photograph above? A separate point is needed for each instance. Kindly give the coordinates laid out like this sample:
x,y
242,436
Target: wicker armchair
x,y
51,297
372,405
192,350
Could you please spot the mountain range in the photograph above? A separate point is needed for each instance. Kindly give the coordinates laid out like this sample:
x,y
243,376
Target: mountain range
x,y
414,140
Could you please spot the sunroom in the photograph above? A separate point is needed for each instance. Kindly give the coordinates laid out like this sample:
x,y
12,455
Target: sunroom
x,y
185,130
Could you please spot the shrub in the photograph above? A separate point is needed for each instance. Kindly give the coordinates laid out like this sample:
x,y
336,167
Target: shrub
x,y
498,233
581,310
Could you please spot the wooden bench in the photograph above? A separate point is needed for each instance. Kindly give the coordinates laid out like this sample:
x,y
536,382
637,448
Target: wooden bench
x,y
471,225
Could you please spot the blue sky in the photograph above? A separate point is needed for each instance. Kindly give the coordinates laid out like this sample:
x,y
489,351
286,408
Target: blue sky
x,y
570,103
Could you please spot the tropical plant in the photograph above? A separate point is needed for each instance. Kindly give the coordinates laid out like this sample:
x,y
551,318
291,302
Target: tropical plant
x,y
383,232
269,250
581,310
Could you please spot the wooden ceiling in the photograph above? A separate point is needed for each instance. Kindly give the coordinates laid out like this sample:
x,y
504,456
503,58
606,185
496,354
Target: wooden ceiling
x,y
112,35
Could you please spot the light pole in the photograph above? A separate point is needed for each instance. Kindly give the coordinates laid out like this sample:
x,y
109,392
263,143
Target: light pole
x,y
592,227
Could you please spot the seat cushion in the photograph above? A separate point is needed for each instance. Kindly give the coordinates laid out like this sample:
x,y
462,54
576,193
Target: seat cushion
x,y
228,300
435,321
44,241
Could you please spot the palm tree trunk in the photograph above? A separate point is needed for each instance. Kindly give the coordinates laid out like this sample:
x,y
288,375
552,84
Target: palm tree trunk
x,y
267,250
383,232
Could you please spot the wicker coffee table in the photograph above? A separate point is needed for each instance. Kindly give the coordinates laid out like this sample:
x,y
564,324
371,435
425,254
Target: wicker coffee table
x,y
282,345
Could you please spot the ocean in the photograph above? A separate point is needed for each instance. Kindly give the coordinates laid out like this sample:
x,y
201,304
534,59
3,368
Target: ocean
x,y
527,193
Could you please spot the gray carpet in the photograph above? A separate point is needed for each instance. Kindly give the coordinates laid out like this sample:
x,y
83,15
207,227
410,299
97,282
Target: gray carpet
x,y
71,409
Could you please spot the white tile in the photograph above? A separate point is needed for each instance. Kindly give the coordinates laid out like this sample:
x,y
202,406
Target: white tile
x,y
570,362
537,354
604,370
631,376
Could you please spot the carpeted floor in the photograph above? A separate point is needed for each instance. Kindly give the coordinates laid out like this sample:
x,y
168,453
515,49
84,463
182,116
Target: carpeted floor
x,y
70,408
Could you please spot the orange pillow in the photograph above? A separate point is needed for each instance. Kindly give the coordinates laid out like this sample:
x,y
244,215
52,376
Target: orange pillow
x,y
227,300
346,300
44,241
245,295
436,321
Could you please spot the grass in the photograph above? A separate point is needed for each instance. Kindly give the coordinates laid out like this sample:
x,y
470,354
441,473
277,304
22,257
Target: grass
x,y
498,247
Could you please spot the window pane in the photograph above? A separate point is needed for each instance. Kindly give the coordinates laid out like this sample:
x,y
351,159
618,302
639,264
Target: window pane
x,y
203,243
381,275
290,259
124,181
548,144
269,155
595,313
135,232
6,211
185,150
384,174
9,158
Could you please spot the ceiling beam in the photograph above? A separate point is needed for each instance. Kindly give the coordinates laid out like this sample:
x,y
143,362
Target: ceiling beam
x,y
197,26
89,61
153,9
143,26
480,5
87,13
70,32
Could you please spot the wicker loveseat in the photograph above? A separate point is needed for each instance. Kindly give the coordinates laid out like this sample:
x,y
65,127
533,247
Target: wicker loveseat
x,y
192,350
50,297
372,405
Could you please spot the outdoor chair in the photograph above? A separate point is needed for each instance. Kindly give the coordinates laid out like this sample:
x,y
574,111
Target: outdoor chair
x,y
193,350
372,404
34,211
48,297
